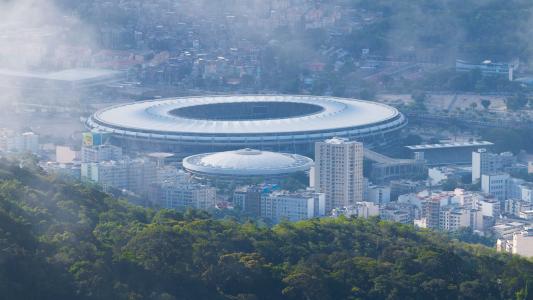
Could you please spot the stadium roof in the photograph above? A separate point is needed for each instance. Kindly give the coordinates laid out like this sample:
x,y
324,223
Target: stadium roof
x,y
247,162
160,116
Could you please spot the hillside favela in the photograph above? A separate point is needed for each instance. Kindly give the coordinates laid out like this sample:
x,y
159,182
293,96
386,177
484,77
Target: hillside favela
x,y
266,149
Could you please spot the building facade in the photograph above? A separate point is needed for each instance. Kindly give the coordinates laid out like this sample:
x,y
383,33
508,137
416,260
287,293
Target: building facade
x,y
99,153
184,196
339,172
133,175
484,162
292,207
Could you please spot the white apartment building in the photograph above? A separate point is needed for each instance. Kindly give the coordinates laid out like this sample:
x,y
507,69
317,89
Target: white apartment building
x,y
516,206
27,142
490,207
100,153
133,175
453,218
171,175
185,196
377,194
396,215
109,174
495,184
484,162
297,206
339,172
520,244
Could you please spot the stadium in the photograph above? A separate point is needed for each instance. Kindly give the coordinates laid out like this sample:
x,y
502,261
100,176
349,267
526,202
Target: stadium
x,y
245,165
280,123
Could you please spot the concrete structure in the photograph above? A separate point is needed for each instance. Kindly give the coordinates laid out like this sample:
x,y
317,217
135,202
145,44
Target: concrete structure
x,y
405,186
385,169
452,153
484,162
169,174
515,207
339,172
431,212
490,207
278,206
276,123
248,199
520,244
451,210
68,170
135,175
495,184
377,194
99,153
65,155
488,68
453,218
245,165
362,209
27,142
184,196
438,175
402,212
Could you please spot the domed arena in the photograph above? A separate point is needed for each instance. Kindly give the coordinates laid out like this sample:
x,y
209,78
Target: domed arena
x,y
245,164
281,123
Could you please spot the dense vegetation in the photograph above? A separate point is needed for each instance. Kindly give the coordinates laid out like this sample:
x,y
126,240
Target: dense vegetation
x,y
60,240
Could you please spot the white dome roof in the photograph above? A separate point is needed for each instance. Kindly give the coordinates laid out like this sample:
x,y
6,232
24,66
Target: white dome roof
x,y
247,162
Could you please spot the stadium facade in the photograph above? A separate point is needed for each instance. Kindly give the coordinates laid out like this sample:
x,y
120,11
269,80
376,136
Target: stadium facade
x,y
281,123
245,165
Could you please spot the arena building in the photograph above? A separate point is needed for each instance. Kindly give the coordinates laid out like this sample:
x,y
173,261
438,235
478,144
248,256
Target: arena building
x,y
279,123
245,165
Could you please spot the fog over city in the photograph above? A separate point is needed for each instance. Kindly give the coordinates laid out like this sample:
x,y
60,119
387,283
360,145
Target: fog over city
x,y
266,149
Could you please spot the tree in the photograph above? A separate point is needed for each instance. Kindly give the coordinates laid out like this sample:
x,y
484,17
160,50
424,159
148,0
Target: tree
x,y
61,241
485,103
449,185
420,99
516,102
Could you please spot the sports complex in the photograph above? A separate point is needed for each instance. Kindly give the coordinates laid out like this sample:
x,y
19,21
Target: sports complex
x,y
282,123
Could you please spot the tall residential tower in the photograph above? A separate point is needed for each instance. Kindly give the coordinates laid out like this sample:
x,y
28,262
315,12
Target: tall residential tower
x,y
339,172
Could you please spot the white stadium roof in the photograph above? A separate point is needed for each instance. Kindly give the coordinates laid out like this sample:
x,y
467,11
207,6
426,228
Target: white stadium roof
x,y
158,119
247,162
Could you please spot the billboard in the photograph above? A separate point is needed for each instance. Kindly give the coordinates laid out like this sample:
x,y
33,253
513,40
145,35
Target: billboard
x,y
94,138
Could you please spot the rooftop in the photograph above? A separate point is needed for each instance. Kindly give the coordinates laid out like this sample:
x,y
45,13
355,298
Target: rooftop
x,y
69,75
450,145
247,162
250,114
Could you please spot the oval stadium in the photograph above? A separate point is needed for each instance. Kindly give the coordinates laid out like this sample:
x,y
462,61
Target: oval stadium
x,y
283,123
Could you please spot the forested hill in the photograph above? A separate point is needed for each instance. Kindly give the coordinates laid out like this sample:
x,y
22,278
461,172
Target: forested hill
x,y
65,241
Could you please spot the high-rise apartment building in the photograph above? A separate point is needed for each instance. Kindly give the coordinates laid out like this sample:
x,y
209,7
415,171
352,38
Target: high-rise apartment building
x,y
339,172
431,212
